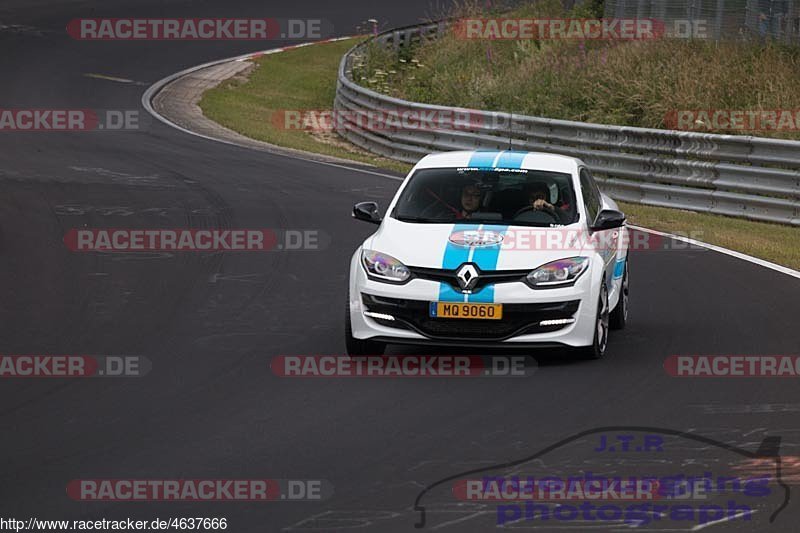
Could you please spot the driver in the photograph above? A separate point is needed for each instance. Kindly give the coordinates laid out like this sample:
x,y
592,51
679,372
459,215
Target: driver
x,y
537,201
470,201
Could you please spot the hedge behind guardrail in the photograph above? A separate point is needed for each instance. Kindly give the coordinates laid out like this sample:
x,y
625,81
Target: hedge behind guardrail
x,y
734,175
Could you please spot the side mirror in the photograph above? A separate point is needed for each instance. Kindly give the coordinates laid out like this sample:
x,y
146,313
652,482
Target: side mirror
x,y
368,212
608,219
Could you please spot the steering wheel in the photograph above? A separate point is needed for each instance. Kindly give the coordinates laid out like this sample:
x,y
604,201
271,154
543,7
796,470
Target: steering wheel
x,y
528,208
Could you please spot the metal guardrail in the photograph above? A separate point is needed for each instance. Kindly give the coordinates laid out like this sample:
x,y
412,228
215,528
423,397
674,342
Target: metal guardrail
x,y
742,176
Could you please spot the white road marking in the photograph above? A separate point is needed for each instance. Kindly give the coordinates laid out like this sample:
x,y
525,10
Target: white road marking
x,y
249,278
733,253
698,527
462,519
112,78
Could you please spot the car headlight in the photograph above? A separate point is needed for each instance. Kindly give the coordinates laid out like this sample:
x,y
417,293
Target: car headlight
x,y
384,267
561,272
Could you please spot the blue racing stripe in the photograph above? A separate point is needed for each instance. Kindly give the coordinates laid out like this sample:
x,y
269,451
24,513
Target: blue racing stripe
x,y
486,259
484,296
619,268
449,294
453,257
511,159
483,159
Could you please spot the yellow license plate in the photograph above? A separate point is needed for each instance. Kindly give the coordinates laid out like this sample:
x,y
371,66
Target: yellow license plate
x,y
464,310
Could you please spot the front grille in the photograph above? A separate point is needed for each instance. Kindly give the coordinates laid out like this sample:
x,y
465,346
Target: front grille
x,y
518,319
486,277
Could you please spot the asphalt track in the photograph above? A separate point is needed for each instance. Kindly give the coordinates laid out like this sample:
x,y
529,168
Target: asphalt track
x,y
210,407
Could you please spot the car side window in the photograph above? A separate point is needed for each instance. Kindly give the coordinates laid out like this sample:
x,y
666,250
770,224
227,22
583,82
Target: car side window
x,y
591,195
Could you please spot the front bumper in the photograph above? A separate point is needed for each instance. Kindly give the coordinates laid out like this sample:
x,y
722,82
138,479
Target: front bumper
x,y
524,310
518,319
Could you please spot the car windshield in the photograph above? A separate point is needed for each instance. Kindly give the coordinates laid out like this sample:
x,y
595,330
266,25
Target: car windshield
x,y
488,195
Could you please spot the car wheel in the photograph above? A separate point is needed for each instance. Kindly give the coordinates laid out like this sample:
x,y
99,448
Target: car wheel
x,y
357,347
598,347
619,316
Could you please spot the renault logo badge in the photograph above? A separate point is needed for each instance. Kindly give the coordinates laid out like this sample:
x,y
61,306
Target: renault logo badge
x,y
467,276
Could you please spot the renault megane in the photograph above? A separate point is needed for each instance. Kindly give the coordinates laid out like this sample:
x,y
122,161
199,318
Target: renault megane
x,y
491,248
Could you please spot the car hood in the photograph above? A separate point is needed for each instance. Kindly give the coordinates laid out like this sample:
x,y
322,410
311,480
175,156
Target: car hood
x,y
490,246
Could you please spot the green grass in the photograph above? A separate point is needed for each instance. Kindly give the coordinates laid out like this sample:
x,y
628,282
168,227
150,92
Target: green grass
x,y
305,78
635,83
299,79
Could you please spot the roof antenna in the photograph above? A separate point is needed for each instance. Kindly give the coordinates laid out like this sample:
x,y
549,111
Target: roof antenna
x,y
510,128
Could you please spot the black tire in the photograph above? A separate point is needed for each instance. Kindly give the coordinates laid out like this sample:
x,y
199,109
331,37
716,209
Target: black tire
x,y
600,341
619,316
359,347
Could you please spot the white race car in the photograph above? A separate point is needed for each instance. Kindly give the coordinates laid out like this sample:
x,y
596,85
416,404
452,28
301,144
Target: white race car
x,y
491,248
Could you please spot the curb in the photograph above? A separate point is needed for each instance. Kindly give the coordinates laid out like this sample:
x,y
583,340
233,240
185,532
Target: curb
x,y
153,90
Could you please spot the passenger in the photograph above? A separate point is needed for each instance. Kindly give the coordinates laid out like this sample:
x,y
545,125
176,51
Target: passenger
x,y
537,201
